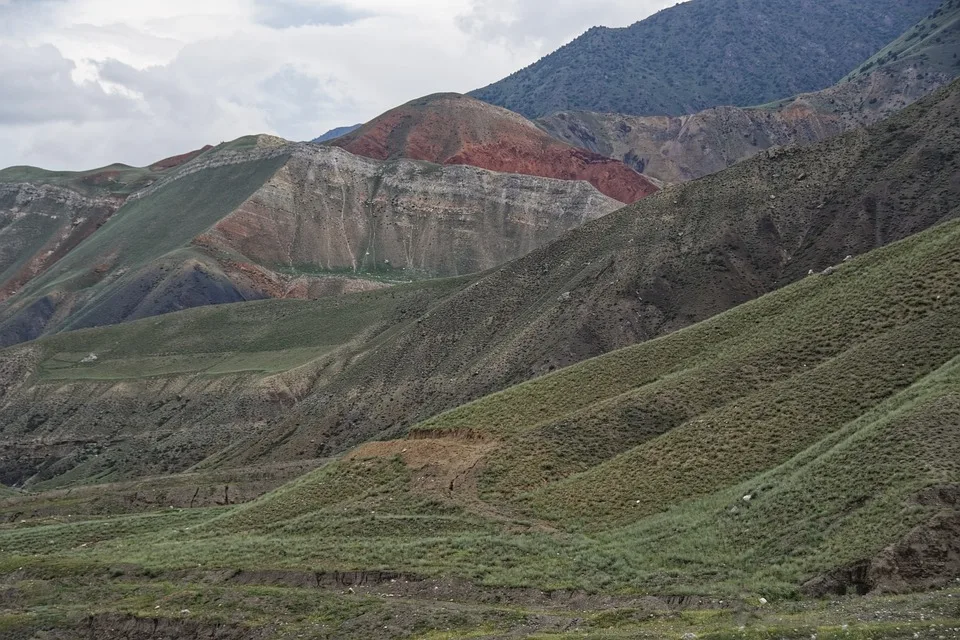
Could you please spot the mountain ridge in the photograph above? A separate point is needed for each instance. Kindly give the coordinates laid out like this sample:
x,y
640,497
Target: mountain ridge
x,y
265,218
639,70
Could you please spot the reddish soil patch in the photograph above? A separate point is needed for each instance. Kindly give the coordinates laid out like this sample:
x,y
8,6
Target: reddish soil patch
x,y
455,129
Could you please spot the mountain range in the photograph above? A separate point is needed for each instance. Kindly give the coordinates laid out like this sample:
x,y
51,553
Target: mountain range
x,y
686,147
704,53
458,373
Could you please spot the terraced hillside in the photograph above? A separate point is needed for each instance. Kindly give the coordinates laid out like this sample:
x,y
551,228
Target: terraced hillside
x,y
353,368
452,129
706,53
701,483
675,149
261,218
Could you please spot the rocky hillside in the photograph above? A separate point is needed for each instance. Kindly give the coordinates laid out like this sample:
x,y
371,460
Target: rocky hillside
x,y
452,129
45,214
706,53
284,380
39,224
261,218
675,149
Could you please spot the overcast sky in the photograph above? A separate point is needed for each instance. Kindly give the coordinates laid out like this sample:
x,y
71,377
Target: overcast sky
x,y
87,82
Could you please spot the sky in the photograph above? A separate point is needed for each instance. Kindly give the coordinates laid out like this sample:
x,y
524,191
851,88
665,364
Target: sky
x,y
84,83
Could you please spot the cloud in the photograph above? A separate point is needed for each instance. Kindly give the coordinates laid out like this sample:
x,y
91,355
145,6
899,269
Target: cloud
x,y
553,23
38,87
282,14
90,82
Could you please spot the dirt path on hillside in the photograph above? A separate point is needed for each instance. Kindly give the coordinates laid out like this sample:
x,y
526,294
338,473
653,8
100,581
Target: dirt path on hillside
x,y
449,469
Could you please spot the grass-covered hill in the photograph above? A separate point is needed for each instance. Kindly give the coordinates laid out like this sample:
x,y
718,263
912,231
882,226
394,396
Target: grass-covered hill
x,y
281,392
804,443
832,404
705,53
675,149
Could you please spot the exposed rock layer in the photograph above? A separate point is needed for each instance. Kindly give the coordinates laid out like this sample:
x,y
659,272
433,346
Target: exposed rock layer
x,y
453,129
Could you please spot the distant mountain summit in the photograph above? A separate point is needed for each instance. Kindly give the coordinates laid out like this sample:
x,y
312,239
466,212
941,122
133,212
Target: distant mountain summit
x,y
706,53
333,134
453,129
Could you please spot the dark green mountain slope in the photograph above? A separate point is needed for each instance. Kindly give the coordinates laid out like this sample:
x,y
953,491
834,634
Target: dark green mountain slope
x,y
706,53
930,44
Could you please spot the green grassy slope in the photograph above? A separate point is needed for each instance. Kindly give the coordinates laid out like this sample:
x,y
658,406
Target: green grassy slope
x,y
831,403
705,53
160,395
46,214
261,336
166,219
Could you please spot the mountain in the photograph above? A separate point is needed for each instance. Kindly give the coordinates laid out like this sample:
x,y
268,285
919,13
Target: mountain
x,y
261,217
452,129
675,149
45,214
705,483
336,133
295,380
706,53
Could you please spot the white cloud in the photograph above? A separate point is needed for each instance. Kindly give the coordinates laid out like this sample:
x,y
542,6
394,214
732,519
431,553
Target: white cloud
x,y
514,22
89,82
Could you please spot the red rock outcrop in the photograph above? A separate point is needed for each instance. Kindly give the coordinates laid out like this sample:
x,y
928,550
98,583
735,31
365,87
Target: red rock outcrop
x,y
458,130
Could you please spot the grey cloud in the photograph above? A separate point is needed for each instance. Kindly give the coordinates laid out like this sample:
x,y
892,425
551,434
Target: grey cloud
x,y
37,87
295,101
167,95
23,16
516,22
282,14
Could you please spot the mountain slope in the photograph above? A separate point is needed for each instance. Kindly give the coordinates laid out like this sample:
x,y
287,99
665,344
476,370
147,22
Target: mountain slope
x,y
457,130
675,149
705,53
45,214
266,218
833,404
671,260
